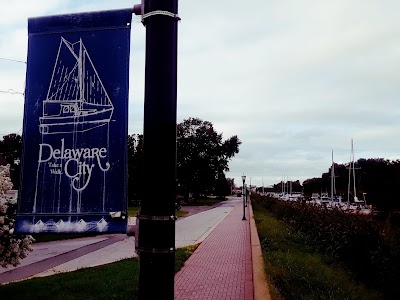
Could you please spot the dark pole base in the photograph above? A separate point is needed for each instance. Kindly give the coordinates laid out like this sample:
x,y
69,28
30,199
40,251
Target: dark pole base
x,y
244,219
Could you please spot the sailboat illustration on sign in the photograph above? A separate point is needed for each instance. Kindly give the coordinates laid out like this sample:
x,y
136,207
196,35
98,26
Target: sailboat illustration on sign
x,y
76,100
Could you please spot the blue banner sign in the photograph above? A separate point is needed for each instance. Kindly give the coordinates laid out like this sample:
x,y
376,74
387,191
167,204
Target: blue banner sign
x,y
74,165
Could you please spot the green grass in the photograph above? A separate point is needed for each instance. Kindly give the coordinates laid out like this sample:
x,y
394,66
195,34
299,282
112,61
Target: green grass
x,y
182,254
134,209
181,213
297,270
203,202
117,280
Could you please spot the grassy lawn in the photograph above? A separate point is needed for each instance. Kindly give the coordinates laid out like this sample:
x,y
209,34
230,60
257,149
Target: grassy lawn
x,y
181,213
117,280
297,270
132,210
203,202
182,254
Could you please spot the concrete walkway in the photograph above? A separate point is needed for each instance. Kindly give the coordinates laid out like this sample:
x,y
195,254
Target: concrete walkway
x,y
195,228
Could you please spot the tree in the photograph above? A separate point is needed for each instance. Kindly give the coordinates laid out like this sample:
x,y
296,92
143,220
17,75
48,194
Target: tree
x,y
12,248
312,185
202,157
222,186
10,149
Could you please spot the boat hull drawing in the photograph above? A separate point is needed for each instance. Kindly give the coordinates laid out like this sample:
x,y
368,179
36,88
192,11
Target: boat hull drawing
x,y
77,100
86,119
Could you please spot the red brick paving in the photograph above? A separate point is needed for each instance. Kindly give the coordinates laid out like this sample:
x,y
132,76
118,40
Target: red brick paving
x,y
221,267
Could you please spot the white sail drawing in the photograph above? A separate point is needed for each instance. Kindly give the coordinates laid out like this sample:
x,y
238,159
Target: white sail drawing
x,y
76,99
75,116
76,102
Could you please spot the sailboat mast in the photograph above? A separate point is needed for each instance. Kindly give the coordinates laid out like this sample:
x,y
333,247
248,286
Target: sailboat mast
x,y
354,171
348,184
263,185
80,71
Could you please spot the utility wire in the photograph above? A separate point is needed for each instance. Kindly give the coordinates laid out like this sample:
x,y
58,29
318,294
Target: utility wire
x,y
20,61
11,91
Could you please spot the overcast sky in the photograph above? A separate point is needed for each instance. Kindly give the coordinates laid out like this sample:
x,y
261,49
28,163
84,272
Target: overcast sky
x,y
293,79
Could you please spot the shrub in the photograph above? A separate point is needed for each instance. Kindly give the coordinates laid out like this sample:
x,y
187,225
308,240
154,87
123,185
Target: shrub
x,y
354,240
13,248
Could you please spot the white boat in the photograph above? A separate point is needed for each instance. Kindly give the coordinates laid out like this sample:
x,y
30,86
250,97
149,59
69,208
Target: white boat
x,y
335,201
314,200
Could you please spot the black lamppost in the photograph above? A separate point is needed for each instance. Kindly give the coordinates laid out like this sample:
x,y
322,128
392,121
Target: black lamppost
x,y
244,195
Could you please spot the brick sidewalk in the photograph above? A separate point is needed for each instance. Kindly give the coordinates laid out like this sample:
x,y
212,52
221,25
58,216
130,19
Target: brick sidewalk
x,y
221,268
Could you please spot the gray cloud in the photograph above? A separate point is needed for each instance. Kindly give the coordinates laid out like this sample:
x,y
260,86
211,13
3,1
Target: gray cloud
x,y
293,79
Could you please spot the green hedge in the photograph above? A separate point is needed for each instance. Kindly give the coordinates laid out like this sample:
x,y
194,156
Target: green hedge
x,y
354,240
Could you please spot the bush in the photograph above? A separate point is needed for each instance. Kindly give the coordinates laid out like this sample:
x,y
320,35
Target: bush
x,y
354,240
13,248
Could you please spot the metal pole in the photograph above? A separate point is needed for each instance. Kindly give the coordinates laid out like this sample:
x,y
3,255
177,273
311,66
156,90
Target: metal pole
x,y
244,209
156,244
245,192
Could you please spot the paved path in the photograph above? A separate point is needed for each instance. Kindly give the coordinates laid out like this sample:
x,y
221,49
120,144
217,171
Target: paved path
x,y
221,268
195,228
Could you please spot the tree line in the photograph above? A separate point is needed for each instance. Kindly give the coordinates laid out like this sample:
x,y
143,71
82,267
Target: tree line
x,y
377,179
202,160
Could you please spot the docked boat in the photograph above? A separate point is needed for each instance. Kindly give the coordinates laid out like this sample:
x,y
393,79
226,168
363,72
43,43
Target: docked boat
x,y
357,206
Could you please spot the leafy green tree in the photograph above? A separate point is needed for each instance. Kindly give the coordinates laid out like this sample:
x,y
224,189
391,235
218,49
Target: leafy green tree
x,y
222,186
202,157
312,185
13,248
10,149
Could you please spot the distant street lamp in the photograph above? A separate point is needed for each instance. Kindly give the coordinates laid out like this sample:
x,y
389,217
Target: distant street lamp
x,y
244,195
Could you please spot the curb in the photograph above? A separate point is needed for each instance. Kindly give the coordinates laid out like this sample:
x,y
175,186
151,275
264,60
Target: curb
x,y
261,289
